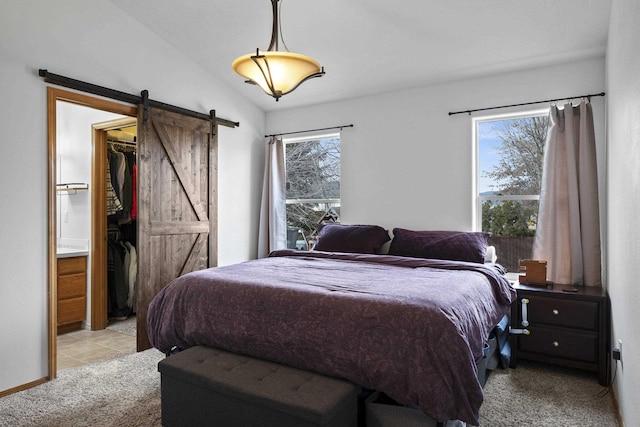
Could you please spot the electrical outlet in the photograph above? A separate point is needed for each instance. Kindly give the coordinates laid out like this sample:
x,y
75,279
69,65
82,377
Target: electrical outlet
x,y
616,354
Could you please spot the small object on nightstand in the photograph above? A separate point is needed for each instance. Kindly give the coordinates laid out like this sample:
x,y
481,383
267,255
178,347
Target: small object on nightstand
x,y
535,272
570,289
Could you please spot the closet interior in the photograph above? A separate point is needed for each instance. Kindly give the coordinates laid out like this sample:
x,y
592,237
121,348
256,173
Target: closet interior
x,y
121,184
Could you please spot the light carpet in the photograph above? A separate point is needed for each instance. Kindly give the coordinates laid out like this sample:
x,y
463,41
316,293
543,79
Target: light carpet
x,y
127,326
541,395
125,391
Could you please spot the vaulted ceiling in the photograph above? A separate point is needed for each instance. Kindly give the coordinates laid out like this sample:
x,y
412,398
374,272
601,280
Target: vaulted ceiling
x,y
377,46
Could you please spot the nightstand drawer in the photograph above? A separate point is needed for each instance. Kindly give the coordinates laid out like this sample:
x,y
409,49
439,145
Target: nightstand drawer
x,y
568,313
565,344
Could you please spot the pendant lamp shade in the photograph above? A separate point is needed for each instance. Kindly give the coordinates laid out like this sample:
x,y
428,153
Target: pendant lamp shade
x,y
276,72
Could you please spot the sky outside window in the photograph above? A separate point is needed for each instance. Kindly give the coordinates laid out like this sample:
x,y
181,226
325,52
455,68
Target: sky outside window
x,y
488,155
489,144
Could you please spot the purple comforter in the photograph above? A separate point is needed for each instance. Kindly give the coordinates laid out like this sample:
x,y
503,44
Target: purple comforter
x,y
412,328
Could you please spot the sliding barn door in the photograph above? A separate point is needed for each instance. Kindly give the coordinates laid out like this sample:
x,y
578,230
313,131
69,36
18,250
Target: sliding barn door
x,y
177,203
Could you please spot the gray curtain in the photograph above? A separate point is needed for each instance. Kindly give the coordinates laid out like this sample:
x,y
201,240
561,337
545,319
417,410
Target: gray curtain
x,y
272,232
568,234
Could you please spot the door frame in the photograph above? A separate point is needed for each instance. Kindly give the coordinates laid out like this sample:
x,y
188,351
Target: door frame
x,y
99,315
54,95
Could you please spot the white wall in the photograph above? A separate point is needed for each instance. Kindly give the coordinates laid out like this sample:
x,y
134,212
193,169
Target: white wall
x,y
95,42
623,190
74,158
74,147
407,163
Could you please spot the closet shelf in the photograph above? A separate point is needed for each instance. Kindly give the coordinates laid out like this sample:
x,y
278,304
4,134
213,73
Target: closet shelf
x,y
72,186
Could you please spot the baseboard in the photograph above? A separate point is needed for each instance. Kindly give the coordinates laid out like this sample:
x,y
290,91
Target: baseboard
x,y
23,387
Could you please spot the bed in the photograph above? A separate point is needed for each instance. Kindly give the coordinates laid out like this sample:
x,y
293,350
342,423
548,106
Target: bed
x,y
409,325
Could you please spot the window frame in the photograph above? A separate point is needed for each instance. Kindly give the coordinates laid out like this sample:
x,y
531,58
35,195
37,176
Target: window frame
x,y
477,198
312,137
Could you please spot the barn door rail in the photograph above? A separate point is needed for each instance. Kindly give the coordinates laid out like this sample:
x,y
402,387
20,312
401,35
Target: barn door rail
x,y
129,98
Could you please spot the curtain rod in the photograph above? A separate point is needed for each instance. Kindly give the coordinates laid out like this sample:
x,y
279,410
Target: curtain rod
x,y
309,130
527,103
128,98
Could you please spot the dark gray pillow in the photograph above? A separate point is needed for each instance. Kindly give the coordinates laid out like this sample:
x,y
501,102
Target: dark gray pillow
x,y
363,239
448,245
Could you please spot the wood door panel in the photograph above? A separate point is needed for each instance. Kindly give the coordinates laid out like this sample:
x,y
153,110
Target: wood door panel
x,y
171,253
180,165
176,214
198,257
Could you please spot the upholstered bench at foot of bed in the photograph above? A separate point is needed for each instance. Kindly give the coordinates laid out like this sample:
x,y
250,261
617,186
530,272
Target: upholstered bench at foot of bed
x,y
206,386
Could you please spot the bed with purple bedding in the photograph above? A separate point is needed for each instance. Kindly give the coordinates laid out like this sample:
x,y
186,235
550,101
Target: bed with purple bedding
x,y
410,327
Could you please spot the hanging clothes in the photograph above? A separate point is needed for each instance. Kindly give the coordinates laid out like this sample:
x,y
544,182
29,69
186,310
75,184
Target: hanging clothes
x,y
118,168
122,264
113,202
116,281
134,179
122,162
132,274
127,185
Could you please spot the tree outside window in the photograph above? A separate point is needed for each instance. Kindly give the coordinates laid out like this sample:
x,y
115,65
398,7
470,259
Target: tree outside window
x,y
510,159
313,187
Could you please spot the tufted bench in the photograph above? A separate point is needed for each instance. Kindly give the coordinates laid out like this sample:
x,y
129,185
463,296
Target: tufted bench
x,y
206,386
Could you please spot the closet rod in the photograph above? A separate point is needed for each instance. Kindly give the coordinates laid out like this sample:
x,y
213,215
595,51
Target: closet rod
x,y
127,143
527,103
310,130
126,97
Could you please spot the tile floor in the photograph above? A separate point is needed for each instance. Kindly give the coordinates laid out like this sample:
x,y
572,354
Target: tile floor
x,y
81,347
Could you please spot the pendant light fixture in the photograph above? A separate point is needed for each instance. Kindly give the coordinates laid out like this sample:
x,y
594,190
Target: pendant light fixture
x,y
277,72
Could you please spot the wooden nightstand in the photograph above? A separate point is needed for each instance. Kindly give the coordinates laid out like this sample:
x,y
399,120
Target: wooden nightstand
x,y
564,328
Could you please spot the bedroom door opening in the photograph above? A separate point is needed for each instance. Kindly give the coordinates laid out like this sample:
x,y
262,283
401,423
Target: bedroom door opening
x,y
80,219
176,197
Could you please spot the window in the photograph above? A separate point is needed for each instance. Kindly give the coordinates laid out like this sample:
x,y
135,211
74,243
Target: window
x,y
510,152
313,187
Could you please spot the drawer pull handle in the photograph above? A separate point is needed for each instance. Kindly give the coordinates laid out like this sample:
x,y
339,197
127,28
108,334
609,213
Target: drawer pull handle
x,y
555,311
525,321
556,344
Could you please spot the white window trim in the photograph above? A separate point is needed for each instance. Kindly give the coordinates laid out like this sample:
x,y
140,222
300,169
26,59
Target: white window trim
x,y
311,137
303,201
510,197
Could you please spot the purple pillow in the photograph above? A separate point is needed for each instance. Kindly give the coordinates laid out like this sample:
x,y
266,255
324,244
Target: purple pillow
x,y
363,239
449,245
